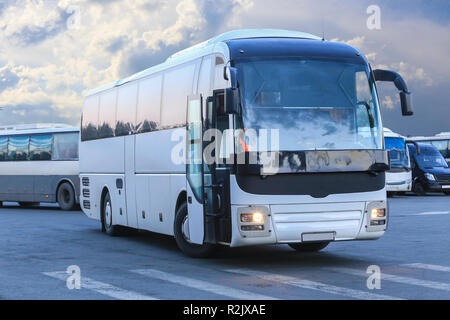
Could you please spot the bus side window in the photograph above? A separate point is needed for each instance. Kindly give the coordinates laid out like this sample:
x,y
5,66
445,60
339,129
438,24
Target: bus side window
x,y
65,146
107,114
177,86
41,147
3,148
18,147
89,130
126,109
219,81
148,111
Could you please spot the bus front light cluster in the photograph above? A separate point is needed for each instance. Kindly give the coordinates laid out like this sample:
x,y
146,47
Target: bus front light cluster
x,y
376,216
253,221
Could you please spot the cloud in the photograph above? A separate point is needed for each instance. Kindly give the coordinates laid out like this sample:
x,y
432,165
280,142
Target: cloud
x,y
44,63
7,78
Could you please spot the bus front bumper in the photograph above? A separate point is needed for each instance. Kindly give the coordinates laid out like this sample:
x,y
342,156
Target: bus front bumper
x,y
309,222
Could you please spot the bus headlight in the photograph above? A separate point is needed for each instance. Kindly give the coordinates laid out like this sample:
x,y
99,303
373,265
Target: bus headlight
x,y
376,213
254,221
430,177
254,217
376,216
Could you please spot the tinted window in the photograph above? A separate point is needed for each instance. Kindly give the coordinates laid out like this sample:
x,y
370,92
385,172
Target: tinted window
x,y
177,87
65,146
18,148
126,109
107,114
41,147
90,119
3,148
149,104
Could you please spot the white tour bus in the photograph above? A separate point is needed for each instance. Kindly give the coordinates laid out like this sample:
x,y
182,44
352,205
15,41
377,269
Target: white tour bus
x,y
441,141
399,177
147,142
39,163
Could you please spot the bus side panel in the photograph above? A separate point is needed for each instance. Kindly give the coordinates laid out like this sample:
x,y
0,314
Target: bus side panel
x,y
159,157
102,156
130,182
161,151
36,181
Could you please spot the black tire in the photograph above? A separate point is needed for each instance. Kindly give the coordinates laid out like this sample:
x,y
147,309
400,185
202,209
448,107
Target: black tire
x,y
66,197
192,250
28,204
106,217
418,189
308,247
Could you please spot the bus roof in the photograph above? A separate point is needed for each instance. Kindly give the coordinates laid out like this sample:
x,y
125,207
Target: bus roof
x,y
204,48
37,128
439,136
388,133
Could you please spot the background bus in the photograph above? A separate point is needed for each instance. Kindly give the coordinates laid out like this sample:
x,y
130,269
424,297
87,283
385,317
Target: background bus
x,y
398,178
441,141
39,163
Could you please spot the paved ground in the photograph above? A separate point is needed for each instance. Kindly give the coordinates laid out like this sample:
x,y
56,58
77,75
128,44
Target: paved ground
x,y
37,245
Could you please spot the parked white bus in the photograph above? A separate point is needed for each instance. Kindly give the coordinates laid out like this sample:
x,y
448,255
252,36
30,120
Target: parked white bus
x,y
318,101
441,141
39,163
399,177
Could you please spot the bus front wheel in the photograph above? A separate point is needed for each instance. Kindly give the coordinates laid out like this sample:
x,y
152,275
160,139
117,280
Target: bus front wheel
x,y
181,230
308,247
107,217
66,197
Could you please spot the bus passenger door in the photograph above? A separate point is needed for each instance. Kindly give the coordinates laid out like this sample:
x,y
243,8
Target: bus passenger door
x,y
194,169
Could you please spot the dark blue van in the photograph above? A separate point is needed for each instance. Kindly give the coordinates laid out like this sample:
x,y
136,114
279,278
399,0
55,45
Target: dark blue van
x,y
430,171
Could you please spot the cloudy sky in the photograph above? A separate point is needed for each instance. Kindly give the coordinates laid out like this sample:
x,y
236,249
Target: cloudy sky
x,y
53,51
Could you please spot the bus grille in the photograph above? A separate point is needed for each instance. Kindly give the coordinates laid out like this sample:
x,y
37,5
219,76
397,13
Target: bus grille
x,y
86,193
443,178
86,204
85,181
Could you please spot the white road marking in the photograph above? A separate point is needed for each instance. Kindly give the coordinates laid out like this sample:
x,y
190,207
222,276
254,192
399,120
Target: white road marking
x,y
398,279
432,267
103,288
312,285
430,213
203,285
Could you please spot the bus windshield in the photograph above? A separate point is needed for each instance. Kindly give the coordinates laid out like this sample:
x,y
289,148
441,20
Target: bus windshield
x,y
312,104
398,154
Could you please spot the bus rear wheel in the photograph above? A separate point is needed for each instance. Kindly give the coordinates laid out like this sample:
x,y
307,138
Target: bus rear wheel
x,y
308,247
66,197
181,232
107,217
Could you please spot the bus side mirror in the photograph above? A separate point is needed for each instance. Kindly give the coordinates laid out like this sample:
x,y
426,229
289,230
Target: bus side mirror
x,y
400,84
227,101
231,105
405,100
